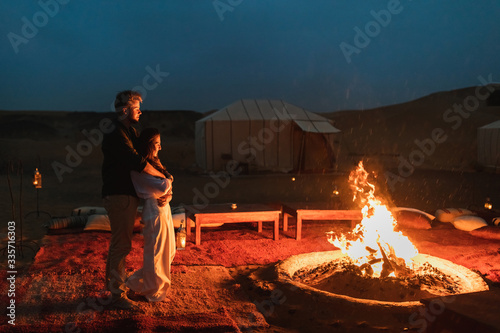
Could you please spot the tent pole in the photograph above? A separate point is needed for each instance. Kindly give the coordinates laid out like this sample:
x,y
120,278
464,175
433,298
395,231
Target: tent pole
x,y
301,153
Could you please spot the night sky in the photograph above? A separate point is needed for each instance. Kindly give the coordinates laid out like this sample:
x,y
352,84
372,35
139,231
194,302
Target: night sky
x,y
202,54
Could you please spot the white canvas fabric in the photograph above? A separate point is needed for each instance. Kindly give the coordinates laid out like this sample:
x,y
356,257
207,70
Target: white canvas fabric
x,y
488,145
153,280
267,135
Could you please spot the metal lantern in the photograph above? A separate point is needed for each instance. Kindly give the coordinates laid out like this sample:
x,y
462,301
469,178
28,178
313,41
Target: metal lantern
x,y
37,179
180,237
335,192
37,184
488,205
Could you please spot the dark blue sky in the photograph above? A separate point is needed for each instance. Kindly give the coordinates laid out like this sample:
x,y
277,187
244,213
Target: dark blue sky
x,y
80,53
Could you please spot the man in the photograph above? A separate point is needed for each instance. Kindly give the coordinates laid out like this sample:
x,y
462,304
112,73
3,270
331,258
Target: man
x,y
120,199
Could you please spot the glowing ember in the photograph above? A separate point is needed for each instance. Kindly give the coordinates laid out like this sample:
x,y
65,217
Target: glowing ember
x,y
373,244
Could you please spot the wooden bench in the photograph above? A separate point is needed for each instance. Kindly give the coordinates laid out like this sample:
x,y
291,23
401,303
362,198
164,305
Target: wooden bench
x,y
316,211
224,213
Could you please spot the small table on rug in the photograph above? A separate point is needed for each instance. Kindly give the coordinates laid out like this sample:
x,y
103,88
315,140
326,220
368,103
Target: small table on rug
x,y
224,213
316,211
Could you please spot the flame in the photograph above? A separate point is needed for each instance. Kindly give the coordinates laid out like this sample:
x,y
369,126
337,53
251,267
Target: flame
x,y
375,238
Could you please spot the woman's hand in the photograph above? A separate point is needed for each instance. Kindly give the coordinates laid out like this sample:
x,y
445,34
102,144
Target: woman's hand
x,y
164,199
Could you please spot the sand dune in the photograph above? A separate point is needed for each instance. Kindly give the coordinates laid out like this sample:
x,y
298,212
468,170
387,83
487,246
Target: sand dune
x,y
383,134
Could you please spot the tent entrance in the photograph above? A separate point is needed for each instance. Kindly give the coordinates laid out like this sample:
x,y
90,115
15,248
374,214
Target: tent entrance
x,y
315,152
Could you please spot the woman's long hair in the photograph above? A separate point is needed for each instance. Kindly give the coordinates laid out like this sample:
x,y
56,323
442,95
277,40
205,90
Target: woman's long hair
x,y
146,147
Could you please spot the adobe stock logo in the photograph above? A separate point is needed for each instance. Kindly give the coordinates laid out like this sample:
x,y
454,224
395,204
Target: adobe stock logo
x,y
40,19
426,147
372,29
225,6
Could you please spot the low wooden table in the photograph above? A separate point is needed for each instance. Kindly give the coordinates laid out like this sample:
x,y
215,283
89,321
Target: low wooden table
x,y
223,213
315,211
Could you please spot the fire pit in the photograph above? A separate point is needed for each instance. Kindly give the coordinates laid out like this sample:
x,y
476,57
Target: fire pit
x,y
376,263
316,271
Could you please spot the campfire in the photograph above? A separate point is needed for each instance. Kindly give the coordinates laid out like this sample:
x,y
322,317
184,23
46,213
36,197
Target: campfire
x,y
376,264
374,245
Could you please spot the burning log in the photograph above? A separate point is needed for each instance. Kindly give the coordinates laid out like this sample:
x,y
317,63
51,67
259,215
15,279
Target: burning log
x,y
390,263
367,268
375,230
387,265
369,249
393,265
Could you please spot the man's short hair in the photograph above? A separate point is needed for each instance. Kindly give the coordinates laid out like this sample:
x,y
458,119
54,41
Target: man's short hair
x,y
125,98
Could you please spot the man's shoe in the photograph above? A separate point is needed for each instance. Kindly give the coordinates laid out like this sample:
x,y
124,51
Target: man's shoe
x,y
135,297
124,303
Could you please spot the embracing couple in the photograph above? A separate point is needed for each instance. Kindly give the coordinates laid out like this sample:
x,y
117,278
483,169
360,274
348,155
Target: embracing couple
x,y
131,170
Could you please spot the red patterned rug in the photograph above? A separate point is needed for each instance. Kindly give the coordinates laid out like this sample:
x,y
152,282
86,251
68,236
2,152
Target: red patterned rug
x,y
63,289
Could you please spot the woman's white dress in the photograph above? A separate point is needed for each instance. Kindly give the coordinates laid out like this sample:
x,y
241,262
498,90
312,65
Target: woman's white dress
x,y
153,279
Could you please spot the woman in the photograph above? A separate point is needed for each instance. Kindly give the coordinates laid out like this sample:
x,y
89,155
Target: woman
x,y
153,279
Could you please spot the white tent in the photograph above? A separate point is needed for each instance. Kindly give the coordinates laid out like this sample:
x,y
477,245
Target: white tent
x,y
488,145
266,135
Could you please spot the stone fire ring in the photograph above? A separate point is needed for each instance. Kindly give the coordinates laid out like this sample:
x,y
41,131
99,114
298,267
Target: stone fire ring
x,y
470,281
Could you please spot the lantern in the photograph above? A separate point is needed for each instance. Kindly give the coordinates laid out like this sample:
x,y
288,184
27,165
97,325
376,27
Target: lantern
x,y
37,184
488,205
180,237
37,179
335,192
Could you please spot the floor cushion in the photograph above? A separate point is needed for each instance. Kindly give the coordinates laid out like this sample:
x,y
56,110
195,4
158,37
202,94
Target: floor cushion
x,y
448,214
496,221
66,222
412,218
468,222
88,210
100,222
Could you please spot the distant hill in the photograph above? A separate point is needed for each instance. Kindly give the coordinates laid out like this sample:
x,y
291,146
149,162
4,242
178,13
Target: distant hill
x,y
389,134
47,135
385,135
47,125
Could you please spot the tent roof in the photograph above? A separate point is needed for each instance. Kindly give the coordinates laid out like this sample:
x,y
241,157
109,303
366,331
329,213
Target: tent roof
x,y
495,124
264,109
